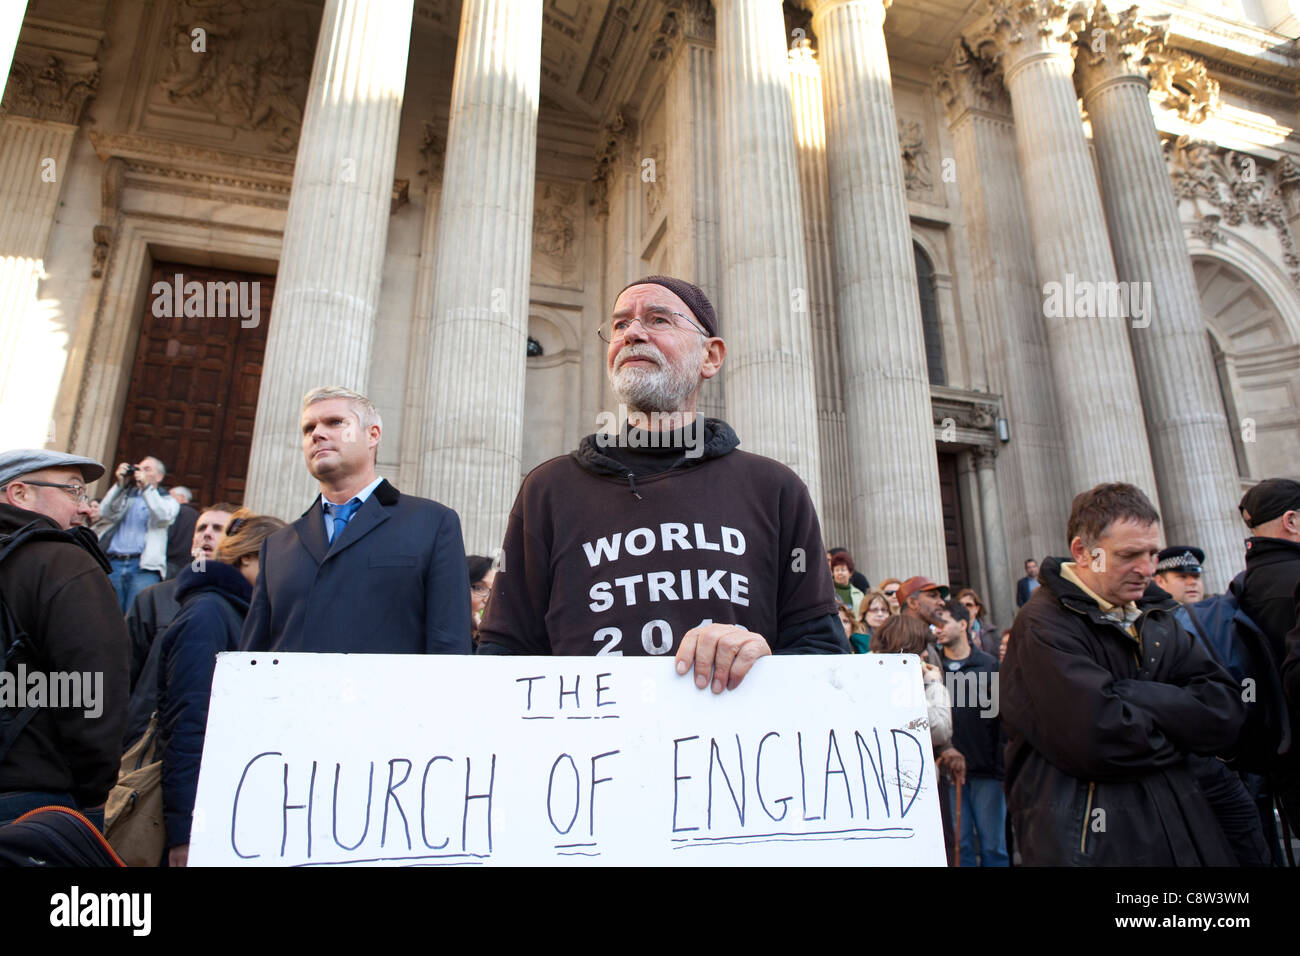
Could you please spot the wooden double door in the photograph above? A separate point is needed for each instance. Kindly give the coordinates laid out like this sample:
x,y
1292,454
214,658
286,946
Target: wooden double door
x,y
193,393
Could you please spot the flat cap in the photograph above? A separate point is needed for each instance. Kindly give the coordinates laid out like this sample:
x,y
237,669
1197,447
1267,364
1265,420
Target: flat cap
x,y
23,461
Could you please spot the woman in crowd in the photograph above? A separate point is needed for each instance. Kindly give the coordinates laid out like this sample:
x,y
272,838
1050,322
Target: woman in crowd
x,y
841,571
982,633
481,573
907,635
873,612
852,630
889,588
214,597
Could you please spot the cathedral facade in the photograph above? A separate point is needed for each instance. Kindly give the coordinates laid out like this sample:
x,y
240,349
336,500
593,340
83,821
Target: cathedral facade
x,y
969,259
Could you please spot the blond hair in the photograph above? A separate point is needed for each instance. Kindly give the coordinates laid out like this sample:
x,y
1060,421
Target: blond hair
x,y
245,532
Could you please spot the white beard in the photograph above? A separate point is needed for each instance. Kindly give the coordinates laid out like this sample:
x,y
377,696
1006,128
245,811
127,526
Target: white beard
x,y
663,389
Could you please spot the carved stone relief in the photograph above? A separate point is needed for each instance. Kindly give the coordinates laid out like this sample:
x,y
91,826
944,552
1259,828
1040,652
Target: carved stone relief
x,y
1230,188
557,212
247,72
1185,85
916,157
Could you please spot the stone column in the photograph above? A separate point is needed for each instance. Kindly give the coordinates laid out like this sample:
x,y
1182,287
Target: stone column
x,y
1007,300
1092,364
763,312
336,230
691,165
832,435
11,24
1191,445
1001,598
432,149
42,112
894,478
471,453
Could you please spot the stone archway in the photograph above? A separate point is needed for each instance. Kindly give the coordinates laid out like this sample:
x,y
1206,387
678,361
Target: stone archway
x,y
552,382
1258,362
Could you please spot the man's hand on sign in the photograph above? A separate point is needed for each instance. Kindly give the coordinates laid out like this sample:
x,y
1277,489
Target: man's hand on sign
x,y
953,764
724,652
179,855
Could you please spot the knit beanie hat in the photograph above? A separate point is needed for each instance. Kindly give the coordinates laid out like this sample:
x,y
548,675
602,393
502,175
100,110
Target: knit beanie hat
x,y
692,295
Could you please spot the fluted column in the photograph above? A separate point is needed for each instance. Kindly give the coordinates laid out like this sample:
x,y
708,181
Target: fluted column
x,y
1097,393
1001,596
336,230
763,314
11,24
422,315
882,348
471,455
33,165
1191,445
832,435
691,165
1008,302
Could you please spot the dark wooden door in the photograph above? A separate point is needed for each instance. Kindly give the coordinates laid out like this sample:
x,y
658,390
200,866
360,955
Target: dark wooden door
x,y
952,533
193,391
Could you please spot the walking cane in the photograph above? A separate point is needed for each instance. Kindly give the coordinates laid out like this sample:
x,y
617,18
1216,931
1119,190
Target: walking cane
x,y
956,853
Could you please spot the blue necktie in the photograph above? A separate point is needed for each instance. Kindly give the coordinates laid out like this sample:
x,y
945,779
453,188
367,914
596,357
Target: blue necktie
x,y
342,514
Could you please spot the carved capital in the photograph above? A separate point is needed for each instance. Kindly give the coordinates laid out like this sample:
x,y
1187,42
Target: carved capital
x,y
966,81
1014,32
983,456
1186,86
690,21
44,86
1115,46
613,149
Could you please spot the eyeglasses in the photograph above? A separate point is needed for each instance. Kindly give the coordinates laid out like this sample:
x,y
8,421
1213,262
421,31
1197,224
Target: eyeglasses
x,y
78,492
480,588
891,593
653,323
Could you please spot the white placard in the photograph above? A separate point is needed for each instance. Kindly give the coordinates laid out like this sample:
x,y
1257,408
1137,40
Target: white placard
x,y
368,759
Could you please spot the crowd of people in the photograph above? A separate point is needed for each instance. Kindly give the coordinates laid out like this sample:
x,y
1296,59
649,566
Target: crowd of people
x,y
1118,720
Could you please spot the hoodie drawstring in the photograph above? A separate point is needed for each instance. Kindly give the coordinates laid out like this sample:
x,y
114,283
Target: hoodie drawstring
x,y
631,480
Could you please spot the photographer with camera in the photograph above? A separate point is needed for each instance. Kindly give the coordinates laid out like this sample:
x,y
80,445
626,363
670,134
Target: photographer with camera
x,y
135,516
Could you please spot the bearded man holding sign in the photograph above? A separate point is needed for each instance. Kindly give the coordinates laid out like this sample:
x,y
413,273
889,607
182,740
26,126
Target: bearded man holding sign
x,y
662,538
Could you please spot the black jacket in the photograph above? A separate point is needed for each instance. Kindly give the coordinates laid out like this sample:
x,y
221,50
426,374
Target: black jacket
x,y
976,731
1267,592
60,595
392,582
152,612
214,602
1099,721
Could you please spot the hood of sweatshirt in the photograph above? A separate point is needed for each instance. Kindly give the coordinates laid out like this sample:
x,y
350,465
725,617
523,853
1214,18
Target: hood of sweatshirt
x,y
719,439
214,575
